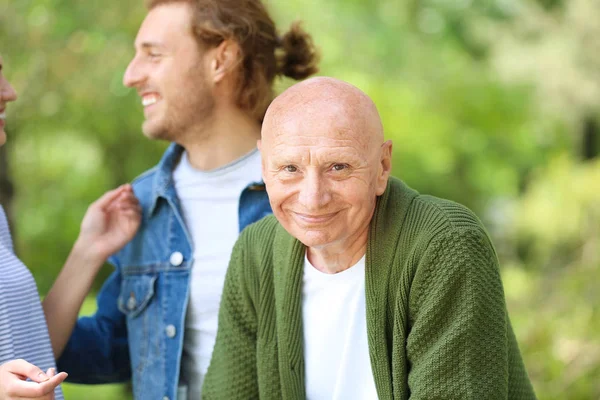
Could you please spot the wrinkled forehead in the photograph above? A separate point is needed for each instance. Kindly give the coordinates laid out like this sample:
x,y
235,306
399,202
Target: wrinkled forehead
x,y
322,120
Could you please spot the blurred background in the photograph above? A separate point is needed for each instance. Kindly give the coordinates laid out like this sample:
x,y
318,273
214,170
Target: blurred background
x,y
491,103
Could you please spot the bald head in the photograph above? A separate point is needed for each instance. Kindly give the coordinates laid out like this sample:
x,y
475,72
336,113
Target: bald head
x,y
326,99
325,163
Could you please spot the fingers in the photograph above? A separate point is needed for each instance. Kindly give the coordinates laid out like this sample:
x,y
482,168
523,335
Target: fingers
x,y
131,212
108,198
125,208
34,390
128,200
25,369
125,200
41,386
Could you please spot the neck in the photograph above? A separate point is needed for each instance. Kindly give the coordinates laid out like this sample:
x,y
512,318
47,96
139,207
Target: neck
x,y
224,137
332,259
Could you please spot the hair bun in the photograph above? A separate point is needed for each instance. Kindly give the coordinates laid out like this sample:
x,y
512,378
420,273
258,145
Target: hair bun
x,y
298,56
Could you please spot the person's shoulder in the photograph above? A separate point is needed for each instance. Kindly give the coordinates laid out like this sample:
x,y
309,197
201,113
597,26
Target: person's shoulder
x,y
148,182
260,234
253,251
143,187
443,214
415,219
451,231
144,181
419,213
4,230
454,213
3,220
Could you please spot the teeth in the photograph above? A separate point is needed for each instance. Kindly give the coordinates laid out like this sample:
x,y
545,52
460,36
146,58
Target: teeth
x,y
146,101
3,115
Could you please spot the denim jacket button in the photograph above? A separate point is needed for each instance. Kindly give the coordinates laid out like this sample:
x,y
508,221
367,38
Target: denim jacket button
x,y
176,259
131,302
166,398
170,331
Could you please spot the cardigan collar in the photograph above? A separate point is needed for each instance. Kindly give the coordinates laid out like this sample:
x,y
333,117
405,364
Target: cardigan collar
x,y
384,232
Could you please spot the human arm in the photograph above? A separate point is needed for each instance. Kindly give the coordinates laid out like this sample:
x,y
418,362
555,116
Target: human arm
x,y
14,384
98,349
232,372
458,345
109,223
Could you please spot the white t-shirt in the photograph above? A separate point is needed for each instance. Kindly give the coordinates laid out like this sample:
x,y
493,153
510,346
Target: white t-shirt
x,y
336,350
209,202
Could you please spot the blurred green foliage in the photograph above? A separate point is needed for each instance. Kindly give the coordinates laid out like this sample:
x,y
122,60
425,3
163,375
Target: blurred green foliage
x,y
487,102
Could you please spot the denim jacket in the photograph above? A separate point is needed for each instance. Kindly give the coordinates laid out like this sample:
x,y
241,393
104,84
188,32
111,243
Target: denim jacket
x,y
137,331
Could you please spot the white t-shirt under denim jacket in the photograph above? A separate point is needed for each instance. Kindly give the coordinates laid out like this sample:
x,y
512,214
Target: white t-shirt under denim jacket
x,y
209,203
23,330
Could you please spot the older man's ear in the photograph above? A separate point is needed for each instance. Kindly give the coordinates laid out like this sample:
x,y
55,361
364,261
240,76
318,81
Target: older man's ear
x,y
385,167
262,162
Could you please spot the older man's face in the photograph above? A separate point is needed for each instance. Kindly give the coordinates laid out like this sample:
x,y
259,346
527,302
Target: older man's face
x,y
323,172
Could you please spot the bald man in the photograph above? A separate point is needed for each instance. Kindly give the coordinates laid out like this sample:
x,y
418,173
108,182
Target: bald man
x,y
358,287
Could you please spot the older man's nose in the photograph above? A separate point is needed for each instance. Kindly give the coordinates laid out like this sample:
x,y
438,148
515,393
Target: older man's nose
x,y
314,193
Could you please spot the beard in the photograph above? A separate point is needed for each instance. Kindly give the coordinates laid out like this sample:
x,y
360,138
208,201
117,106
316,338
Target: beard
x,y
184,109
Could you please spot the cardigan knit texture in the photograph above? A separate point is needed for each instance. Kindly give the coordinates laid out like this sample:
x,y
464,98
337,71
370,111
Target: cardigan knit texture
x,y
437,321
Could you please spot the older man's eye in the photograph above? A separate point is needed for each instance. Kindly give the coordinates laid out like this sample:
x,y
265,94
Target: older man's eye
x,y
290,168
339,167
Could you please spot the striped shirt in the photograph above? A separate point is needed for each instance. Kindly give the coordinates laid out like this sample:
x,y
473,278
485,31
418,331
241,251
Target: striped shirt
x,y
23,330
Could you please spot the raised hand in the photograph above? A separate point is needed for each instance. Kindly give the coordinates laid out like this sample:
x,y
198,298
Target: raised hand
x,y
110,222
14,384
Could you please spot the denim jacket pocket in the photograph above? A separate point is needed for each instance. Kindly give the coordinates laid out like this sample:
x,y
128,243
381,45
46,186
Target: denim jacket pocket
x,y
136,293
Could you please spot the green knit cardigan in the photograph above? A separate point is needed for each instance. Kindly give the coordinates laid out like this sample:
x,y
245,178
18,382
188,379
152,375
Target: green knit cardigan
x,y
436,316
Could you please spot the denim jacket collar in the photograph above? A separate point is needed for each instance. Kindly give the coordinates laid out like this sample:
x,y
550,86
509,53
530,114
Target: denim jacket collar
x,y
162,185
